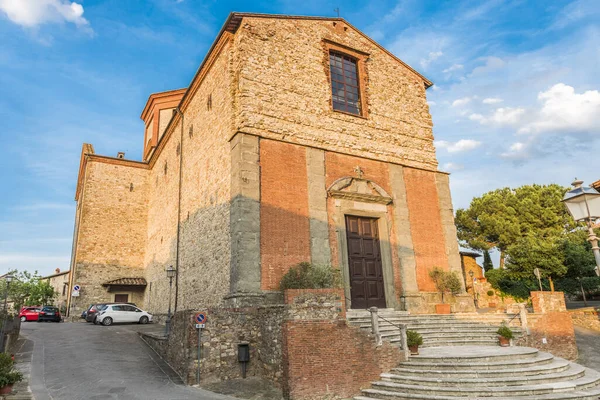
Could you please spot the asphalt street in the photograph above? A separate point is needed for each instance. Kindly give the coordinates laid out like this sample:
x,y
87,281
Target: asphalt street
x,y
86,361
588,344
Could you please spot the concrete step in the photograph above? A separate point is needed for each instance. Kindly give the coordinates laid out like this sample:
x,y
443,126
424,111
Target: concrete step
x,y
475,354
555,365
572,372
539,359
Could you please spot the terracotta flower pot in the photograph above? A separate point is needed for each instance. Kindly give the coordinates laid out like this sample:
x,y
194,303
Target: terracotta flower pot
x,y
414,350
504,342
6,389
492,305
442,308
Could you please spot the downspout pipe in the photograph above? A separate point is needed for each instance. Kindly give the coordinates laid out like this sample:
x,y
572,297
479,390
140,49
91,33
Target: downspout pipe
x,y
178,111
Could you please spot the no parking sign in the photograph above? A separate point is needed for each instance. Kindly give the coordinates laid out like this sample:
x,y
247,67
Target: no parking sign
x,y
200,319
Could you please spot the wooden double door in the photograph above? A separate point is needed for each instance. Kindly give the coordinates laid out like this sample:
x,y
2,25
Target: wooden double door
x,y
364,262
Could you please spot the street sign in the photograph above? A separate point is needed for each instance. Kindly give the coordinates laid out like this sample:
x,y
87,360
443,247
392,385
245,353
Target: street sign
x,y
200,318
76,288
74,293
200,326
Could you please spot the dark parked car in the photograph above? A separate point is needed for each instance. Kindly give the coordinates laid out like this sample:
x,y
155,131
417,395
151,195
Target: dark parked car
x,y
49,313
94,309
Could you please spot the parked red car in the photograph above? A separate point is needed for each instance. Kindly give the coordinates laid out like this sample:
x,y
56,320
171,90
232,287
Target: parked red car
x,y
29,313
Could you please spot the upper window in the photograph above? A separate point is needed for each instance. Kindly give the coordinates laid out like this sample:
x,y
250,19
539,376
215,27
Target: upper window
x,y
344,83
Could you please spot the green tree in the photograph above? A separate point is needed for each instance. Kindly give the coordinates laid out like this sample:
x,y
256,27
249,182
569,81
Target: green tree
x,y
487,261
508,217
28,289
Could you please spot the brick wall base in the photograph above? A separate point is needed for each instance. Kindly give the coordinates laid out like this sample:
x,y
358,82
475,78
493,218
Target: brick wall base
x,y
557,328
587,317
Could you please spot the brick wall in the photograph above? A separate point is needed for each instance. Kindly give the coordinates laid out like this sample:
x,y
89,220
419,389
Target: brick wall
x,y
425,225
544,302
322,355
284,222
557,329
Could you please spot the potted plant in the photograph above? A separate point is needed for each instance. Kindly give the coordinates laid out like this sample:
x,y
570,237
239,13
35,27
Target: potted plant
x,y
413,340
504,335
491,304
8,375
444,281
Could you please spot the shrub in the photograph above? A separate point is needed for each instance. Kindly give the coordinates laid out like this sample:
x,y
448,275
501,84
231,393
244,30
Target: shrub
x,y
8,375
505,332
490,293
445,281
308,276
413,338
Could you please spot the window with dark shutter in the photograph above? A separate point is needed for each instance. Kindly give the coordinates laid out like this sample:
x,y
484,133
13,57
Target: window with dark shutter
x,y
344,83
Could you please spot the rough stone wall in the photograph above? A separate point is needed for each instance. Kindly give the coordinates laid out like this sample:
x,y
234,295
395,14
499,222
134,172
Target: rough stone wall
x,y
588,317
544,302
204,243
58,284
112,230
284,220
426,225
285,93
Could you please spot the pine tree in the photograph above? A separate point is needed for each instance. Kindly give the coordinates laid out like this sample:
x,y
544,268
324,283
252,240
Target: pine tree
x,y
487,261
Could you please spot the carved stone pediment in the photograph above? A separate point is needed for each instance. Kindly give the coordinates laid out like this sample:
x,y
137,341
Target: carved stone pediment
x,y
358,189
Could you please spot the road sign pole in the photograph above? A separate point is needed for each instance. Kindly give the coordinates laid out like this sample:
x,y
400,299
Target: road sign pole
x,y
199,356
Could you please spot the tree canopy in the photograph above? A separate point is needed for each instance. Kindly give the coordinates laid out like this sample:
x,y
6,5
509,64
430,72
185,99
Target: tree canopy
x,y
28,289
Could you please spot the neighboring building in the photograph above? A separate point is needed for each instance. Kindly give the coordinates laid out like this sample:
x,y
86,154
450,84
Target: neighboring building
x,y
469,264
596,185
60,283
298,139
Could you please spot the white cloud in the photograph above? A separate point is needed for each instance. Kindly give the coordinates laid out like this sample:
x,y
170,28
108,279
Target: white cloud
x,y
31,13
450,166
492,100
454,67
491,64
457,147
500,117
563,110
433,55
461,102
517,150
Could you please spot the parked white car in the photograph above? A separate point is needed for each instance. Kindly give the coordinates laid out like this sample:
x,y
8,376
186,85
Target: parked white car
x,y
122,313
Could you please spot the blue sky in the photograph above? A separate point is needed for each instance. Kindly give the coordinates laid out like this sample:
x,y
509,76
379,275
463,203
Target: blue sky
x,y
515,99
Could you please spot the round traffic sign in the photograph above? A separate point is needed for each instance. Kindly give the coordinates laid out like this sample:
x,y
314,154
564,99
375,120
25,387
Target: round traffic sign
x,y
200,318
76,288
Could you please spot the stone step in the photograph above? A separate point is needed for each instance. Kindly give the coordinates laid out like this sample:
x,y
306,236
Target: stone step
x,y
486,365
591,394
437,328
575,371
589,380
480,354
432,322
555,365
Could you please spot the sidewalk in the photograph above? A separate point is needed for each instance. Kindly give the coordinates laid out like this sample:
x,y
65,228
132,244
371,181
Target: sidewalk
x,y
23,355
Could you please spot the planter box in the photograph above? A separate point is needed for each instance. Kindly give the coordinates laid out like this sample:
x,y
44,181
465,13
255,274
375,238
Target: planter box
x,y
442,308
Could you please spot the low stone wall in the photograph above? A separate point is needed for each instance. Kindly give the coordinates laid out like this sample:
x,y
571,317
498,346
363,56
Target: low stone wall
x,y
12,330
323,357
424,302
588,317
544,302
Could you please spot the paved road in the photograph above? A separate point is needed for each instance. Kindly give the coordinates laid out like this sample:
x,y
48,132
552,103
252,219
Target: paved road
x,y
588,344
85,361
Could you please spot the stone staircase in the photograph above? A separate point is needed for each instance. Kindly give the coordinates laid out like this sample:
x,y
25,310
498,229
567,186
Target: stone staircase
x,y
478,372
438,330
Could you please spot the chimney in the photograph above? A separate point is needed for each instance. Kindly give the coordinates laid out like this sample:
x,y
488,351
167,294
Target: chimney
x,y
121,155
57,271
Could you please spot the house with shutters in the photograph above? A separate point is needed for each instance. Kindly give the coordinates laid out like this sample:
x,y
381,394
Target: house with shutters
x,y
299,139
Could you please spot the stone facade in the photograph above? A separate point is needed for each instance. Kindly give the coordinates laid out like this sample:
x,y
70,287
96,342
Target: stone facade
x,y
250,171
588,317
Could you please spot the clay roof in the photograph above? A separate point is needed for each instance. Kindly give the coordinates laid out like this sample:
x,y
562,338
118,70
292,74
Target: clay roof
x,y
596,185
57,274
126,282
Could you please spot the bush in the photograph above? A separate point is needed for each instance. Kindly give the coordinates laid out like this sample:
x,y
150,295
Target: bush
x,y
413,338
505,332
308,276
490,293
8,375
445,281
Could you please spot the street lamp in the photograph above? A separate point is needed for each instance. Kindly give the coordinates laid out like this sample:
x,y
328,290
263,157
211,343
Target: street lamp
x,y
583,204
471,273
8,279
170,274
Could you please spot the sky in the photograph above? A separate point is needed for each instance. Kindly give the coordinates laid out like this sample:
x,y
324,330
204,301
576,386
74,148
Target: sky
x,y
516,97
